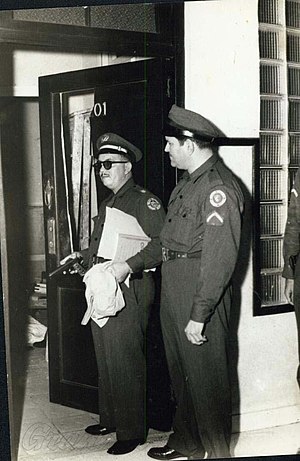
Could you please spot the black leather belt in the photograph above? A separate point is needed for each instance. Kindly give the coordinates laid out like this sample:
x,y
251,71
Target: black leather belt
x,y
168,254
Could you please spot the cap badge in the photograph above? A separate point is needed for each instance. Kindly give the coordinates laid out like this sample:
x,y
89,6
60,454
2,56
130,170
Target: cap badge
x,y
153,204
217,198
105,138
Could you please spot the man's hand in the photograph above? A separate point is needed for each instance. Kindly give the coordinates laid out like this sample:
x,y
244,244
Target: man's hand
x,y
289,290
120,270
74,255
193,332
76,268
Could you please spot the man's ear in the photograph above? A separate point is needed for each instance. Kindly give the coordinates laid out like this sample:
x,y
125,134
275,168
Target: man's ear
x,y
190,146
128,167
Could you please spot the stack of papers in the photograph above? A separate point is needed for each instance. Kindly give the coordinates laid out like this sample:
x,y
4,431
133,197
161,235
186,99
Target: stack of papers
x,y
122,236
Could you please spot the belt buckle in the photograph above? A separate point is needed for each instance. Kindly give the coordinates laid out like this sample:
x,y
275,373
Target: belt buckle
x,y
165,254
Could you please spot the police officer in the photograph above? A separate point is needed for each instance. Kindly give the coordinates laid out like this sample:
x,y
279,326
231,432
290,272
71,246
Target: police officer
x,y
291,249
119,345
200,241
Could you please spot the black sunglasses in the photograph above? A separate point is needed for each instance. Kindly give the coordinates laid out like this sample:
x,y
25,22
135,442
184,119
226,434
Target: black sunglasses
x,y
107,164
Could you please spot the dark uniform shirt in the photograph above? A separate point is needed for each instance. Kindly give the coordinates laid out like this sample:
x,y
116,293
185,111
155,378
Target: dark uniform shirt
x,y
204,215
148,211
291,242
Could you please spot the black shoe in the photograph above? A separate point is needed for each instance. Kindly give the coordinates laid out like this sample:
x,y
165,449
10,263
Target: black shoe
x,y
165,453
121,447
96,429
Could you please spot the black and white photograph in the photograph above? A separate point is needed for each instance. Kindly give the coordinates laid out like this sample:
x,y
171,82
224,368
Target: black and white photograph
x,y
149,230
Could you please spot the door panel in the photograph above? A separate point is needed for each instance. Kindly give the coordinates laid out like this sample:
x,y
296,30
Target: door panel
x,y
132,100
75,338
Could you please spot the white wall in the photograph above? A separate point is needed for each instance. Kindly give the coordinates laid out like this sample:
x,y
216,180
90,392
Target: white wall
x,y
221,39
23,66
222,83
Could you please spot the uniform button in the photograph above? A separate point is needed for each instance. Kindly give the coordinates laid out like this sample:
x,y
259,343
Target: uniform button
x,y
102,225
184,215
170,219
180,196
96,238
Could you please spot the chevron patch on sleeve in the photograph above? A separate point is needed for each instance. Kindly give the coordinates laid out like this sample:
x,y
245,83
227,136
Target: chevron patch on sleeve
x,y
214,219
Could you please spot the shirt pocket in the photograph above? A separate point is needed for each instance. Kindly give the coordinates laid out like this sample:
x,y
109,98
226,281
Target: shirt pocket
x,y
182,228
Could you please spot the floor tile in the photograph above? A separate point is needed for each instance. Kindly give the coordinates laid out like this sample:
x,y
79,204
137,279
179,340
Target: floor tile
x,y
41,438
281,440
55,432
73,423
54,411
32,413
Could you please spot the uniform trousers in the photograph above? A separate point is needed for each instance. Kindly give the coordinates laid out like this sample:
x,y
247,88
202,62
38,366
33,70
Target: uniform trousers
x,y
119,348
199,374
297,312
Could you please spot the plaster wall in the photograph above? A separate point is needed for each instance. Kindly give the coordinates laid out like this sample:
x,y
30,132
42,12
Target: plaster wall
x,y
24,65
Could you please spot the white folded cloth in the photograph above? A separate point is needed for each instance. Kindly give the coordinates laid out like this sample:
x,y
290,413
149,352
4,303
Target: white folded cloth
x,y
35,331
103,295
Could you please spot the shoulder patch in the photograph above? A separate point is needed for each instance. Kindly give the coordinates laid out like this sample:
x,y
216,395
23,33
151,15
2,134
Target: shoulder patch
x,y
153,204
217,198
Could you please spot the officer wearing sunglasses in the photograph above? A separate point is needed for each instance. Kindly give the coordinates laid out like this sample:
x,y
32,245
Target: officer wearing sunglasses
x,y
107,164
119,345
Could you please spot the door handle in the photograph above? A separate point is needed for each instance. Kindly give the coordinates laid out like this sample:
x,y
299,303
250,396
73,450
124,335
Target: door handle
x,y
48,194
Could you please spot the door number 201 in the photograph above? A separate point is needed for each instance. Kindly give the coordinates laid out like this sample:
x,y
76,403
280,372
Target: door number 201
x,y
100,109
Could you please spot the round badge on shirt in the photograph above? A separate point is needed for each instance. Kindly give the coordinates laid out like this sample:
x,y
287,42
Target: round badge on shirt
x,y
153,204
217,198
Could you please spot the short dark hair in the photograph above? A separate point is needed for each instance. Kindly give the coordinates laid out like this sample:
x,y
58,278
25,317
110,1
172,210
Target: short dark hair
x,y
199,142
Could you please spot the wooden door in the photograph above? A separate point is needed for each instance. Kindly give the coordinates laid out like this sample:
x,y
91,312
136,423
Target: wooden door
x,y
132,100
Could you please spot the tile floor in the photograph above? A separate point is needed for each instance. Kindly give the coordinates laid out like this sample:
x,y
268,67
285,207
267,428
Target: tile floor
x,y
54,432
